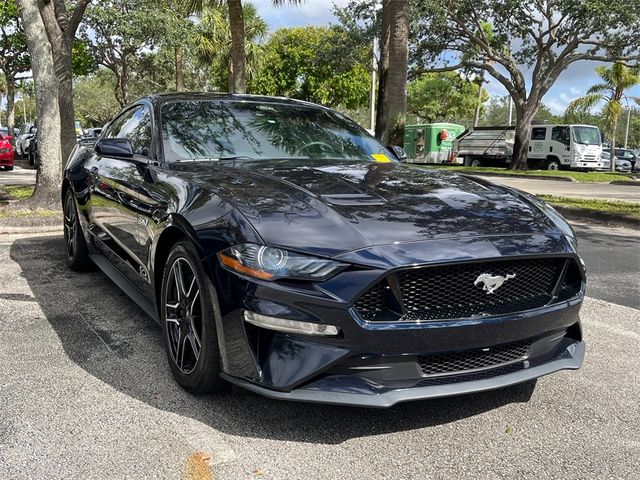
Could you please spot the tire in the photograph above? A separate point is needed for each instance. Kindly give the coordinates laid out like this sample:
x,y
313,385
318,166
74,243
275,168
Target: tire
x,y
188,318
76,247
552,164
9,168
473,162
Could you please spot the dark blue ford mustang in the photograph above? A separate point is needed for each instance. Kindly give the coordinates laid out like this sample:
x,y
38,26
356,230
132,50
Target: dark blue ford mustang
x,y
283,249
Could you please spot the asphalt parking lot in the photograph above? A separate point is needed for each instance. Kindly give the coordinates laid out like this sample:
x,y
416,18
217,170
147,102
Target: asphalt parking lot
x,y
85,392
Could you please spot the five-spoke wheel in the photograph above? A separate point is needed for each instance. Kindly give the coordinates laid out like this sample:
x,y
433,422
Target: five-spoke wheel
x,y
189,307
183,314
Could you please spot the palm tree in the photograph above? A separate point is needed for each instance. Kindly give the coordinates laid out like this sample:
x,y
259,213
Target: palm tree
x,y
238,83
214,39
392,83
616,81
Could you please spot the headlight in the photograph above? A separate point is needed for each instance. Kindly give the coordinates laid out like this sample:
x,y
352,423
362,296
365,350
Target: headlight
x,y
271,263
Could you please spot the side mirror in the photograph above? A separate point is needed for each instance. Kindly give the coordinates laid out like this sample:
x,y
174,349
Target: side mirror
x,y
8,137
399,152
114,147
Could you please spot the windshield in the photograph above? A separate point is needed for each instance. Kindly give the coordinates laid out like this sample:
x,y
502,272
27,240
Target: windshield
x,y
212,130
586,135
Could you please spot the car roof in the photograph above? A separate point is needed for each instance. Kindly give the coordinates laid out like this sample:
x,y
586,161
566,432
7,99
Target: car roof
x,y
162,98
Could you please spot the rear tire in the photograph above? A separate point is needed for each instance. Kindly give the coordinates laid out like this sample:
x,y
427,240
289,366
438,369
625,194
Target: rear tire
x,y
9,168
77,251
472,162
188,312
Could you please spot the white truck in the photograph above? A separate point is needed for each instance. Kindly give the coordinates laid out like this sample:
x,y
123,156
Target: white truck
x,y
551,147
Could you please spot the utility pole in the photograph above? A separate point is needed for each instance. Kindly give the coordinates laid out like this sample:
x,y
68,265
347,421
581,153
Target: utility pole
x,y
626,133
24,108
372,93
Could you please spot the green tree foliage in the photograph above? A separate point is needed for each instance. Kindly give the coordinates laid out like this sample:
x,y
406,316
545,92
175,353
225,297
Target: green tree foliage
x,y
93,98
435,97
82,62
611,91
308,63
497,113
528,45
213,43
14,57
117,32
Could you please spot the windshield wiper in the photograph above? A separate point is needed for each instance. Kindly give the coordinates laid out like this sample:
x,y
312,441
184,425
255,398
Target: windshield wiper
x,y
215,159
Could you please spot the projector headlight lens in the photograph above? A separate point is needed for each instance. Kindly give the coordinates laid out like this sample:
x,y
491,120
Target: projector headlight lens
x,y
272,263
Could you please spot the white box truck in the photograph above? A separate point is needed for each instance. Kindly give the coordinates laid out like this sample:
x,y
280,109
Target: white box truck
x,y
551,147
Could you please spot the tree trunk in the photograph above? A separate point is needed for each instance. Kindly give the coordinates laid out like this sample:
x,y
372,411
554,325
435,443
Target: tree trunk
x,y
525,112
392,87
11,98
179,69
236,24
49,177
61,51
612,166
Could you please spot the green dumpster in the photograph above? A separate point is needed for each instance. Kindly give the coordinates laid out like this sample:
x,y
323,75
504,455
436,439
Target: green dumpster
x,y
430,142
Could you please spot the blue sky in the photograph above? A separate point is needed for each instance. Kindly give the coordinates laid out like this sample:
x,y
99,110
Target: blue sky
x,y
572,83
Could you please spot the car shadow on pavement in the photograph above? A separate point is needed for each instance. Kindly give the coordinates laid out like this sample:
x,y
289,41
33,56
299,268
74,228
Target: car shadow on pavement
x,y
108,336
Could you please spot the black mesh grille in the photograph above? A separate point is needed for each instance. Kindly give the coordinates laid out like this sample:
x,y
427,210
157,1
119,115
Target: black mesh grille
x,y
457,362
457,291
470,377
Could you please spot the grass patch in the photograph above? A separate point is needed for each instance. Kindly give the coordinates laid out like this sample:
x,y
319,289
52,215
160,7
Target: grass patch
x,y
39,212
606,206
587,177
15,192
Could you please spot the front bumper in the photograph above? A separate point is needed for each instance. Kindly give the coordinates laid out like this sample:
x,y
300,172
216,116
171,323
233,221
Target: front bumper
x,y
377,364
366,394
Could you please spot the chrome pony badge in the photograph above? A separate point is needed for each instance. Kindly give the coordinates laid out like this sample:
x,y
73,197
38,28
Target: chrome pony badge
x,y
492,282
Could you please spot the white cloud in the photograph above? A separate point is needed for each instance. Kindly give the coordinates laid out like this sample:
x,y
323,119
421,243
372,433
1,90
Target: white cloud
x,y
311,12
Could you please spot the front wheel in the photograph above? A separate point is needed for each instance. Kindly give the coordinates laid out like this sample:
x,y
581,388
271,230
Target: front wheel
x,y
553,164
188,312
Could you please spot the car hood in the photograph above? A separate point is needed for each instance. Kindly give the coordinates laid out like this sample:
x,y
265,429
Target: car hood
x,y
334,207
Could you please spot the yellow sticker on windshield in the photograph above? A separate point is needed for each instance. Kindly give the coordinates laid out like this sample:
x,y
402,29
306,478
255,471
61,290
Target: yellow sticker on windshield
x,y
381,157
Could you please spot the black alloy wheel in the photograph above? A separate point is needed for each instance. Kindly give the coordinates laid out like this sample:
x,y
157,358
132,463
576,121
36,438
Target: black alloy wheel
x,y
188,312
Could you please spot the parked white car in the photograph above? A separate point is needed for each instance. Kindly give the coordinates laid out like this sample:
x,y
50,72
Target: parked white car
x,y
24,140
621,164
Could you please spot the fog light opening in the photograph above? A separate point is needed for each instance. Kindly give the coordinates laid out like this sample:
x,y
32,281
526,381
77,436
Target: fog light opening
x,y
289,326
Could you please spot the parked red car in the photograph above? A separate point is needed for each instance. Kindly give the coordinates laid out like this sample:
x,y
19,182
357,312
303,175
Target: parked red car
x,y
6,152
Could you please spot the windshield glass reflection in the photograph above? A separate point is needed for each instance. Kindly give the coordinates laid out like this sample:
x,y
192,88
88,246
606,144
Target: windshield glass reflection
x,y
219,130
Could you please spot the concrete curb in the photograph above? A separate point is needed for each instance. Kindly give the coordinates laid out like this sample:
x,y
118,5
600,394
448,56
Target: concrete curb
x,y
632,183
515,175
604,218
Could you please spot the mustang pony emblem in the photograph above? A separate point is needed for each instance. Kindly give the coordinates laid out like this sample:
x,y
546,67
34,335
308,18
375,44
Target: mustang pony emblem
x,y
492,282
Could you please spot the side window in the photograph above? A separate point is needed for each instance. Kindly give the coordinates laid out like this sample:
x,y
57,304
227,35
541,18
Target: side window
x,y
538,133
560,134
135,125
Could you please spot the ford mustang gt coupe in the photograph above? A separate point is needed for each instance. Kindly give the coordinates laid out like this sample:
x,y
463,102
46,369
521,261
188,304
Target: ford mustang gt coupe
x,y
283,249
